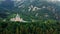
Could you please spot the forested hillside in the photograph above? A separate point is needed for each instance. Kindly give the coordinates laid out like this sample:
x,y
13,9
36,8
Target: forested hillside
x,y
36,9
42,17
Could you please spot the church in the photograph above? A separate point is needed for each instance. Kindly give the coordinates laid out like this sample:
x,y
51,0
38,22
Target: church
x,y
17,18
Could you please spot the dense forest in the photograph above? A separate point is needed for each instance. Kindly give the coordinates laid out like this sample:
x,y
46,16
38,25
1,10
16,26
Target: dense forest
x,y
42,17
42,27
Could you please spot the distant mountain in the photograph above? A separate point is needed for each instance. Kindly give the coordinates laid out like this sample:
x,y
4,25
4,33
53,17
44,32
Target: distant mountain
x,y
40,9
33,9
8,4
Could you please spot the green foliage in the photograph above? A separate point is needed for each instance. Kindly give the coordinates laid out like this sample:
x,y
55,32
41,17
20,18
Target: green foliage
x,y
43,27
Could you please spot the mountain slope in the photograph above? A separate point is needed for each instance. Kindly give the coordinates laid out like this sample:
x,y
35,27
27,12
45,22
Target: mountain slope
x,y
35,10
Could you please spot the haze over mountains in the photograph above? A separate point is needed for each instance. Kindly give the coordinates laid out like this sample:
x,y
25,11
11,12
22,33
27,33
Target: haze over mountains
x,y
31,9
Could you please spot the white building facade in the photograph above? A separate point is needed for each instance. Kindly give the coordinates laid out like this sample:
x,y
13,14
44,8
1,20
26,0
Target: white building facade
x,y
17,18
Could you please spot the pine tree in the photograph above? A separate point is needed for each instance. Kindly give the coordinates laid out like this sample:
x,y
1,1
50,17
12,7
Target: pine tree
x,y
17,32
